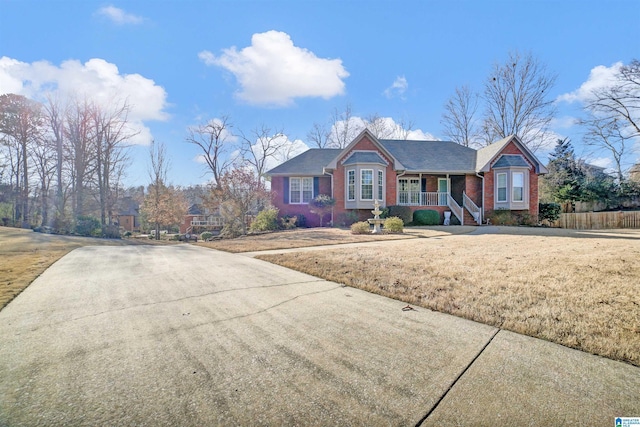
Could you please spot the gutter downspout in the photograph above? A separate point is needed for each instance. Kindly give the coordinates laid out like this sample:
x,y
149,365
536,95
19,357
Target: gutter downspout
x,y
324,172
482,178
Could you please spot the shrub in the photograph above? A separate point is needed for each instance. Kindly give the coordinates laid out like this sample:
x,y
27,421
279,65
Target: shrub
x,y
426,217
87,226
549,211
402,212
361,227
111,231
266,220
502,217
347,218
206,235
393,225
288,222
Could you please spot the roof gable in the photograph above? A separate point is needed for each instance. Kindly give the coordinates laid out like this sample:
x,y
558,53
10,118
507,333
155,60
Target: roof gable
x,y
487,155
364,157
511,160
353,146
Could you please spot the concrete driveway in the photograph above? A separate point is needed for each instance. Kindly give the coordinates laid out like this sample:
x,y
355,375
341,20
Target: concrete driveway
x,y
181,335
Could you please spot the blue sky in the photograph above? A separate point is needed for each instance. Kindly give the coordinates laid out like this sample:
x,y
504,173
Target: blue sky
x,y
290,64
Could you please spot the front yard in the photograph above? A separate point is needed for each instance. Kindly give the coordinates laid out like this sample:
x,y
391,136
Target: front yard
x,y
580,289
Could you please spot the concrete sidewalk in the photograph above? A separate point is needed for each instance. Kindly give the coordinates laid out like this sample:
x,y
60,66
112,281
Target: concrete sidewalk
x,y
181,335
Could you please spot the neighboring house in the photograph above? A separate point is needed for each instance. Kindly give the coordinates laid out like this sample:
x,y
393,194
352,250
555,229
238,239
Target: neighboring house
x,y
198,219
438,175
128,216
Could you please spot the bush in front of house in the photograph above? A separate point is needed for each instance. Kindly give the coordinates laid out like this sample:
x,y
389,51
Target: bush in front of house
x,y
111,231
361,227
549,211
393,225
87,226
266,220
206,235
426,217
402,212
346,219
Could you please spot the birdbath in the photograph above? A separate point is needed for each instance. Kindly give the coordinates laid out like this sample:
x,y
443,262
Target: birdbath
x,y
376,220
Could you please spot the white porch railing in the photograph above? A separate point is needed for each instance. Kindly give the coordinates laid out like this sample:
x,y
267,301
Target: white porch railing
x,y
213,221
422,198
473,209
455,208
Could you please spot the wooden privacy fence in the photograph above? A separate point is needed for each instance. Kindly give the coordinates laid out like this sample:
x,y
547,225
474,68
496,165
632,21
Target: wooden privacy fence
x,y
599,220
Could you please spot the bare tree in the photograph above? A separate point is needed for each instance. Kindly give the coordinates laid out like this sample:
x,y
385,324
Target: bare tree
x,y
55,115
459,118
609,134
44,160
613,116
518,100
344,128
216,143
621,100
320,136
262,145
111,132
21,124
80,151
379,126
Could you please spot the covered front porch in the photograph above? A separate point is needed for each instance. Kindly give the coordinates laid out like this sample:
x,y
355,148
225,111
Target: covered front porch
x,y
462,194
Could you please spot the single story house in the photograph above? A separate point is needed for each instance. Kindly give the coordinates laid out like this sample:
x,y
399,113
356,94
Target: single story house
x,y
437,175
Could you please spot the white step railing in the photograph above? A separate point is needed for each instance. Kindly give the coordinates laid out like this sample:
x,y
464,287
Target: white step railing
x,y
455,208
422,198
473,209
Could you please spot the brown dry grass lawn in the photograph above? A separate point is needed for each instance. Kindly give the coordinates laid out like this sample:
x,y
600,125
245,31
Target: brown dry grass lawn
x,y
580,289
24,255
306,237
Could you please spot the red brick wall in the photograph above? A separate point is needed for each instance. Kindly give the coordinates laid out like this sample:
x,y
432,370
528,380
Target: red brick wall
x,y
489,187
339,179
277,194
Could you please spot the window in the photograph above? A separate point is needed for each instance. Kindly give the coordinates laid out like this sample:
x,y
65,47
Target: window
x,y
518,186
300,190
380,185
502,187
366,184
351,185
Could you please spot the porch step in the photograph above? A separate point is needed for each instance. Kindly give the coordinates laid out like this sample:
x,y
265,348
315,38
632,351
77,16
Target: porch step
x,y
468,218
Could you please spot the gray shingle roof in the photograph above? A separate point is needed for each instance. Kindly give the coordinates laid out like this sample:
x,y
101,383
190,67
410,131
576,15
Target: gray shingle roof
x,y
364,157
432,156
309,163
508,160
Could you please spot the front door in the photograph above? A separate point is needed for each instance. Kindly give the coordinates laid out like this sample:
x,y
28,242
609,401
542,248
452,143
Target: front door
x,y
443,191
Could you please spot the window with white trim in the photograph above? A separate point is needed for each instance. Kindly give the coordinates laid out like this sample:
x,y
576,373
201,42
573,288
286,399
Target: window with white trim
x,y
366,184
380,185
502,187
300,190
517,179
351,185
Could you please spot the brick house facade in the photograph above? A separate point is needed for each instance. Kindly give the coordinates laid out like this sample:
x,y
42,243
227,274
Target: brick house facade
x,y
437,175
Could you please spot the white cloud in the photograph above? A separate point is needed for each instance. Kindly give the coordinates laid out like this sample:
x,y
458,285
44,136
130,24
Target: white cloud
x,y
397,89
600,77
97,79
119,16
273,71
